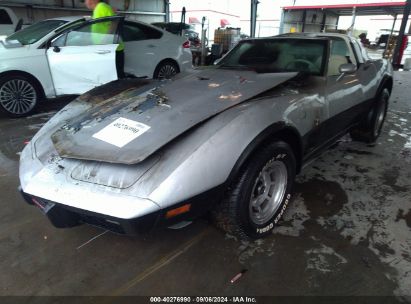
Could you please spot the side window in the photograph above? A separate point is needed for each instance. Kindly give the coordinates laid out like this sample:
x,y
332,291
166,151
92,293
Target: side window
x,y
100,32
339,54
131,32
136,32
150,32
4,17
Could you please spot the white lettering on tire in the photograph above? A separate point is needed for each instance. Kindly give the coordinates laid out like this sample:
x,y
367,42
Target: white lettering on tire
x,y
277,218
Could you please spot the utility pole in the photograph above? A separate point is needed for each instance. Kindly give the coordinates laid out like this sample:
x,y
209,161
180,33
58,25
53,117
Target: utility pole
x,y
351,28
167,10
396,57
253,18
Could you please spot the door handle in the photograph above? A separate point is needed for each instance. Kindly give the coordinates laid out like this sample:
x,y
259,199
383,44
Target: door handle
x,y
151,46
102,52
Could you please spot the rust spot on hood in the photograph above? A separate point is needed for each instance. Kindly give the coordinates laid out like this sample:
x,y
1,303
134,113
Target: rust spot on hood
x,y
108,90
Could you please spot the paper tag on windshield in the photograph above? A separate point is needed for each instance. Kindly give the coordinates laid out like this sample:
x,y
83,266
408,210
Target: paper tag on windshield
x,y
121,131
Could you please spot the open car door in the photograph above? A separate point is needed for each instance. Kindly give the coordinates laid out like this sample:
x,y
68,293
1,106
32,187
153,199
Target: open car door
x,y
85,57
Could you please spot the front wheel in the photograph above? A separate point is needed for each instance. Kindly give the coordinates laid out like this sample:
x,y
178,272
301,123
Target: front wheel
x,y
258,198
19,95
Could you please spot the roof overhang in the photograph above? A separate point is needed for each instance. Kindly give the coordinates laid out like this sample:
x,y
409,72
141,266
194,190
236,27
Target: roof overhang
x,y
361,9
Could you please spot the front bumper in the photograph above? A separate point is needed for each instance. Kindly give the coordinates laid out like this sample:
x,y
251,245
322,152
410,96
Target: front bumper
x,y
62,216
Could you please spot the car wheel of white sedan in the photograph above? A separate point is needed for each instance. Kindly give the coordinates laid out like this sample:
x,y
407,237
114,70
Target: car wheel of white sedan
x,y
258,198
166,70
19,95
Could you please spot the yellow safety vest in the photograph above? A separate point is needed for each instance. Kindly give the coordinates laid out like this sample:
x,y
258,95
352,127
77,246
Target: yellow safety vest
x,y
103,10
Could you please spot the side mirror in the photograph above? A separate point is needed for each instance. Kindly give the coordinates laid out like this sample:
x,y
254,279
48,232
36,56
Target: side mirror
x,y
56,49
57,42
347,68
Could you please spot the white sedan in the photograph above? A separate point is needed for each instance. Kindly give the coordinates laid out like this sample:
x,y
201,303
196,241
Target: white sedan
x,y
72,55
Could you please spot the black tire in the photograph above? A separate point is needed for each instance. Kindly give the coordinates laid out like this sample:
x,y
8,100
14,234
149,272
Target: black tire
x,y
19,95
166,70
236,213
370,129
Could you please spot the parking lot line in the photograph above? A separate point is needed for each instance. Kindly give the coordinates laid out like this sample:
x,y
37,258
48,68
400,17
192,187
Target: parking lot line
x,y
161,263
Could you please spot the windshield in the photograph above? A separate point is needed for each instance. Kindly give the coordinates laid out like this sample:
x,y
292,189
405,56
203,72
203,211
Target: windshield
x,y
35,32
278,55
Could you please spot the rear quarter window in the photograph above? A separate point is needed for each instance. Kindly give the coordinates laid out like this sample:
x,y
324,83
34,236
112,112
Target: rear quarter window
x,y
136,32
4,17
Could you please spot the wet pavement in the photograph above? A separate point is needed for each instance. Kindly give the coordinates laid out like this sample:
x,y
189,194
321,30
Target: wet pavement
x,y
347,232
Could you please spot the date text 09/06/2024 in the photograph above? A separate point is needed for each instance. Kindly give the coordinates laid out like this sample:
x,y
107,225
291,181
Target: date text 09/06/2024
x,y
203,300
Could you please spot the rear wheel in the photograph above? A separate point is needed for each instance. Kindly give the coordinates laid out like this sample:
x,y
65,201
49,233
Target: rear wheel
x,y
258,198
166,70
369,130
19,95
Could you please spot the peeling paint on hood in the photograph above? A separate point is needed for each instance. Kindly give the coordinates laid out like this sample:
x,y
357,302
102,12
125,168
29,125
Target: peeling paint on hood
x,y
164,110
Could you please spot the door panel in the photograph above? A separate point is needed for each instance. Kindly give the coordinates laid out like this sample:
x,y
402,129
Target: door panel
x,y
343,96
78,69
343,92
314,113
84,57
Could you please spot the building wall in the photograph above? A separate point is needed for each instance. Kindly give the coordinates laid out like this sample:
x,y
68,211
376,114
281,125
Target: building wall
x,y
264,28
36,10
293,21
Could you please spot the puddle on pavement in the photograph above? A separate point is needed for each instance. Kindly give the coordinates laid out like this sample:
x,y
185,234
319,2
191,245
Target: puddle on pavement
x,y
11,147
322,198
15,133
7,166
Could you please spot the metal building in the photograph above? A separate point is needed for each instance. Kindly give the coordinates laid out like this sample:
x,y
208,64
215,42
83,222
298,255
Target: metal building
x,y
32,11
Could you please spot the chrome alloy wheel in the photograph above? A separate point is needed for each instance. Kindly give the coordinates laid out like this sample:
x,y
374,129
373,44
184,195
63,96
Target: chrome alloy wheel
x,y
18,96
268,192
167,71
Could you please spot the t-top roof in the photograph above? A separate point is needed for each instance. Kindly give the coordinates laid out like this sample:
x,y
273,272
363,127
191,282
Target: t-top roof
x,y
362,9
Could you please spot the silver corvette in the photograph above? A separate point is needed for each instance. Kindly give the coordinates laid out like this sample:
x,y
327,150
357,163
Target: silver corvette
x,y
135,154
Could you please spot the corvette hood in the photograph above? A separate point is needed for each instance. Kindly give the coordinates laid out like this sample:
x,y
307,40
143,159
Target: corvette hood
x,y
130,126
